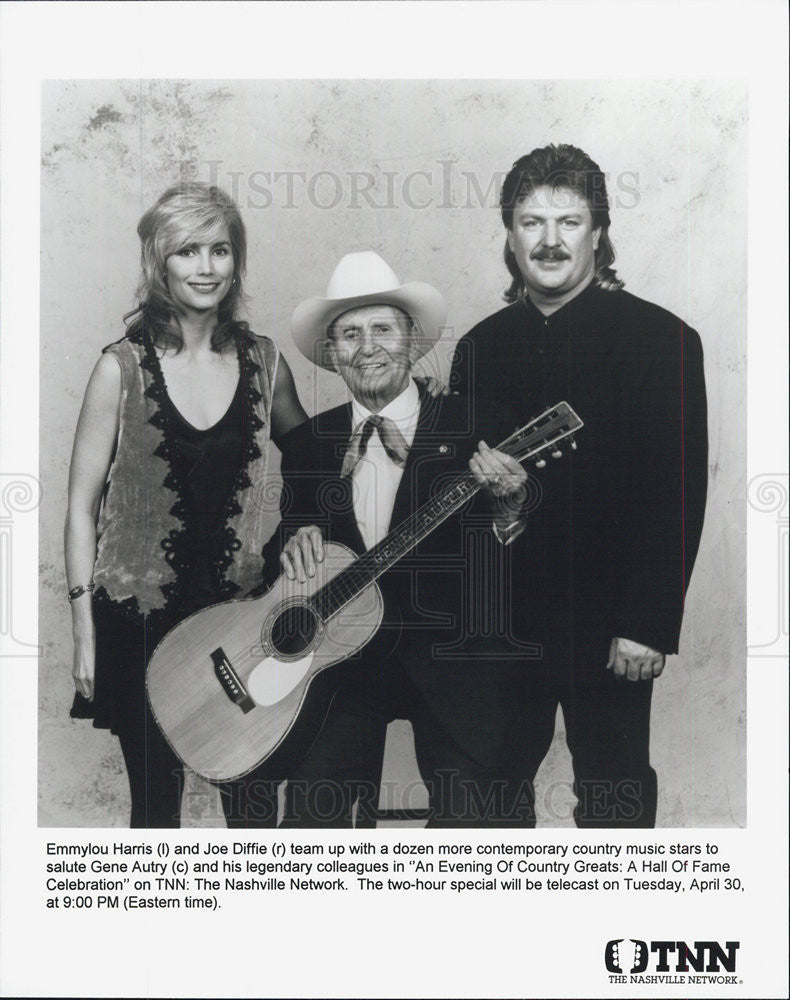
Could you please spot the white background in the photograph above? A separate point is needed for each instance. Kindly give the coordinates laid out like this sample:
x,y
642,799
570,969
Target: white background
x,y
482,945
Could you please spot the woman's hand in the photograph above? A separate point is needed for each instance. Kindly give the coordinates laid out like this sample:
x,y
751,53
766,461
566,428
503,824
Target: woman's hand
x,y
84,667
302,552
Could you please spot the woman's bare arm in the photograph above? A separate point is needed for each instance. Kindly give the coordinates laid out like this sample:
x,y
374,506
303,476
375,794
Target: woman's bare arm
x,y
97,430
287,411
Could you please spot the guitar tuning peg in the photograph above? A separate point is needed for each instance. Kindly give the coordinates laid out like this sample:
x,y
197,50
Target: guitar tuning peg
x,y
541,463
556,453
573,445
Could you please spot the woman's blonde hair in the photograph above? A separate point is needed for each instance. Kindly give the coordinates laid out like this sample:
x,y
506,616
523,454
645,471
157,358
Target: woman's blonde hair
x,y
187,213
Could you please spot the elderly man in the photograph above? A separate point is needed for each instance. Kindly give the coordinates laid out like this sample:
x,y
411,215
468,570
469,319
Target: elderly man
x,y
609,552
350,475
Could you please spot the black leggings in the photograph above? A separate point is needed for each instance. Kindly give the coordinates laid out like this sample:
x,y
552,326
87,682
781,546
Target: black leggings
x,y
156,783
156,777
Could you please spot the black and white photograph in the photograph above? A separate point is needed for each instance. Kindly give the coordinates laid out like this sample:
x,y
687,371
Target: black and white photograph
x,y
561,584
399,492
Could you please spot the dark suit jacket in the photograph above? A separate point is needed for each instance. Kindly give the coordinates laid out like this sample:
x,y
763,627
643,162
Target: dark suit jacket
x,y
614,532
447,603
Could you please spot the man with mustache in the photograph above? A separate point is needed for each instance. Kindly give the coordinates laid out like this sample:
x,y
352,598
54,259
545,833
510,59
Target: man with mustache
x,y
351,475
607,556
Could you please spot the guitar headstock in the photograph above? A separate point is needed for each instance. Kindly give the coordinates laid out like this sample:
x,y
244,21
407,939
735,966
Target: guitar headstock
x,y
543,434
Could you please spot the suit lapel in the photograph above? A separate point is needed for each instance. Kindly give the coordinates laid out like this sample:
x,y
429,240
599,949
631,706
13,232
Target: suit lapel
x,y
334,433
424,444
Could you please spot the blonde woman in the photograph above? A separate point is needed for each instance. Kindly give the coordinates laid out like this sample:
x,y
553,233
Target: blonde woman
x,y
167,474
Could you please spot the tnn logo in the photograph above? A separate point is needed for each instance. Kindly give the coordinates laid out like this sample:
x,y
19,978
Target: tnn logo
x,y
705,956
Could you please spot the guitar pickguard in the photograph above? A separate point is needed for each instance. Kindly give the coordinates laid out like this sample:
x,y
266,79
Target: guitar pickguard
x,y
272,680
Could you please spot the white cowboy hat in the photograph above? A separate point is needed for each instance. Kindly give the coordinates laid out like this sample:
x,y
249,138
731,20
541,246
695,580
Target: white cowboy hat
x,y
362,279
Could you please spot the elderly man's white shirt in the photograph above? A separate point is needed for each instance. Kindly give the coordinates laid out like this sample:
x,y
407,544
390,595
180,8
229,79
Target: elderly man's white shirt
x,y
376,477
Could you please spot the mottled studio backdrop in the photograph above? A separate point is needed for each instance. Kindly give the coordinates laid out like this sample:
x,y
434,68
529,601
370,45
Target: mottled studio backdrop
x,y
411,170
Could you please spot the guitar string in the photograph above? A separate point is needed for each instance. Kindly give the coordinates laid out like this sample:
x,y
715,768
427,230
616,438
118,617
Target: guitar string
x,y
377,560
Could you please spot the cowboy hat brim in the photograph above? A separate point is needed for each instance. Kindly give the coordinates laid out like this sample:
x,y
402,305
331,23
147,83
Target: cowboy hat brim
x,y
312,318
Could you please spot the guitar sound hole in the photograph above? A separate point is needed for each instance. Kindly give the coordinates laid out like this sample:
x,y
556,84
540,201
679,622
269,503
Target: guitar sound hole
x,y
293,630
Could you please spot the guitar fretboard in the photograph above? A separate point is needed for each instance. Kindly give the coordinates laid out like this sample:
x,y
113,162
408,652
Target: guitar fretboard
x,y
351,581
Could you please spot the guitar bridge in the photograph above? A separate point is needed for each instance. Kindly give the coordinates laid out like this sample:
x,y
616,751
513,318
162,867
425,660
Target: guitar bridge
x,y
230,681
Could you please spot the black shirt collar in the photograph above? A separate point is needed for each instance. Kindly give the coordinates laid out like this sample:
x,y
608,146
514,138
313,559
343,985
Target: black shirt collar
x,y
581,305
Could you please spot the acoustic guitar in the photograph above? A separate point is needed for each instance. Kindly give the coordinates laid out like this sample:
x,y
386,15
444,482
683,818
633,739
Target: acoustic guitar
x,y
227,685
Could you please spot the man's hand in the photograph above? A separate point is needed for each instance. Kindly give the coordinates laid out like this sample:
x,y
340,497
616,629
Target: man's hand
x,y
302,552
497,472
432,385
634,661
503,477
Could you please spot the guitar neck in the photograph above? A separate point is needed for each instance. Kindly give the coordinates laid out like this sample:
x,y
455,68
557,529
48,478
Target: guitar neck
x,y
335,594
528,442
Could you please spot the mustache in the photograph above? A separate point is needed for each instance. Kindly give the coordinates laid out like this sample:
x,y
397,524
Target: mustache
x,y
548,254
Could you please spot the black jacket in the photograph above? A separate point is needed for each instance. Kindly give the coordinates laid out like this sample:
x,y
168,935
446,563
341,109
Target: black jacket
x,y
614,531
